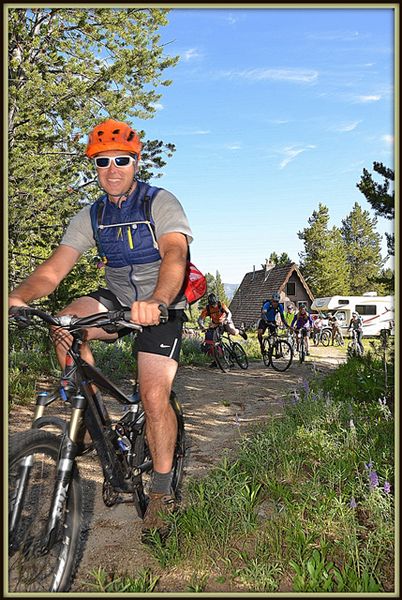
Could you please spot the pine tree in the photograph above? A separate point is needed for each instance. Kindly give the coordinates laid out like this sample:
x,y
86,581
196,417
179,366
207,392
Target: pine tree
x,y
68,69
323,262
220,290
380,197
281,260
363,247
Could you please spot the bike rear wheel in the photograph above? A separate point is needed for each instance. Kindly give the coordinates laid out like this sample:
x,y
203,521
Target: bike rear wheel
x,y
143,456
281,355
240,355
32,566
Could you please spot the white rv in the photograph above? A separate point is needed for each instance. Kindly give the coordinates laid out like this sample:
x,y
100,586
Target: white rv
x,y
377,312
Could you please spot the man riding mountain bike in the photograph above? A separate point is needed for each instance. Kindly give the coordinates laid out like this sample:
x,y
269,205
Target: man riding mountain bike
x,y
269,310
220,316
144,249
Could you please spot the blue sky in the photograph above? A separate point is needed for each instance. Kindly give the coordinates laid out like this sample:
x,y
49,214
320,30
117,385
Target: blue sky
x,y
272,111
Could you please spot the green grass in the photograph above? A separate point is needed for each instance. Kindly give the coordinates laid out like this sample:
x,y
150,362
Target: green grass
x,y
306,505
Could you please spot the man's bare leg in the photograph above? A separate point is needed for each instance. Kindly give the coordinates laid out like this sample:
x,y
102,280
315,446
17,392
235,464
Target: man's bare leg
x,y
156,375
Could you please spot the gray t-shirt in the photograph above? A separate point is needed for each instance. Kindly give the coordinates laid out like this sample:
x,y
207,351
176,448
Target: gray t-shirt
x,y
133,282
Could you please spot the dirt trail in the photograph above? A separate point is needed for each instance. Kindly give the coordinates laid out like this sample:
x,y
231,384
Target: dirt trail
x,y
219,408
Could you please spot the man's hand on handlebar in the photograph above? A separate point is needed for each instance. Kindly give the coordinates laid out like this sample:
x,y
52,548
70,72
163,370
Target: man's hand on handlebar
x,y
149,312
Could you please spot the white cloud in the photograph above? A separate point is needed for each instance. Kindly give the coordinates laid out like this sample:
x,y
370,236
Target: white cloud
x,y
292,75
234,146
278,121
388,139
335,36
291,152
191,53
231,19
345,127
157,105
369,98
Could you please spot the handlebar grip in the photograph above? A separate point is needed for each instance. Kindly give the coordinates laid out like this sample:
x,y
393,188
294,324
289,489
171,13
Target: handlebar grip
x,y
164,317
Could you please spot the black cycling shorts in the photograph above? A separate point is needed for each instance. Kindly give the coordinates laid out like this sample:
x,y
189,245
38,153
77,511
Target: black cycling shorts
x,y
263,324
164,339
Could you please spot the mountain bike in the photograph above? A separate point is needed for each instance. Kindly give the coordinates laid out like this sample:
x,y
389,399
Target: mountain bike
x,y
276,352
45,505
301,343
227,353
354,348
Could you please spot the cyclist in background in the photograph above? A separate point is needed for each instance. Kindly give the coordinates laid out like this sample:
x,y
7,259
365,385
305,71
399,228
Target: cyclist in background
x,y
270,309
219,315
317,328
356,324
289,314
334,324
303,322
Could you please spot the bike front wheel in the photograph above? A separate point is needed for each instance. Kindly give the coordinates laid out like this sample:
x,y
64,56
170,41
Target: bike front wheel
x,y
37,561
240,355
325,338
222,357
266,352
281,355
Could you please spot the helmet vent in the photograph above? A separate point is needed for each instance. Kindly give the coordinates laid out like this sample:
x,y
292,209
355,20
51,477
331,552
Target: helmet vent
x,y
100,133
116,131
130,136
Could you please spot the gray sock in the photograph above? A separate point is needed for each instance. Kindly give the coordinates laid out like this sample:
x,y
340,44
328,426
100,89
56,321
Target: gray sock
x,y
162,482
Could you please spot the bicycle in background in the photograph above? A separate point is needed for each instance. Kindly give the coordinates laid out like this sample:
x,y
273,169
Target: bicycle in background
x,y
277,352
45,507
354,348
226,352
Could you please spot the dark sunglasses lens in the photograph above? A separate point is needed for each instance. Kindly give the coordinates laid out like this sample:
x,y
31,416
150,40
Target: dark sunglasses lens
x,y
102,161
122,161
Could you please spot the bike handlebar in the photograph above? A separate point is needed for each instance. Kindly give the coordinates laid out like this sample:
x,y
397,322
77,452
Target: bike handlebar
x,y
22,315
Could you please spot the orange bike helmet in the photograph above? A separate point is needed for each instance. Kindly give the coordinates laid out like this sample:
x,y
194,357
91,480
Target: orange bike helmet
x,y
113,135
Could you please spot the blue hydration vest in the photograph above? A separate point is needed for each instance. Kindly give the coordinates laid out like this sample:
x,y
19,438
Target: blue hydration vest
x,y
126,236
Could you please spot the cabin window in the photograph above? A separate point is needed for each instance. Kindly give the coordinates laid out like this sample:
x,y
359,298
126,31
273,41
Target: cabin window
x,y
291,289
343,301
366,309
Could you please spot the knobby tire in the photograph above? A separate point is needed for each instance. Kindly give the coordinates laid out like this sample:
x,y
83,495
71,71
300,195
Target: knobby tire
x,y
221,358
281,355
240,355
266,352
31,567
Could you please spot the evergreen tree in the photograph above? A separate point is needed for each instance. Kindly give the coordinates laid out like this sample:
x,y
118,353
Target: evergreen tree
x,y
380,197
323,262
281,260
211,289
68,69
220,290
363,247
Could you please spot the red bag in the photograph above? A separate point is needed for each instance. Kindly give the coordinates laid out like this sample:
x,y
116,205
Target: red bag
x,y
195,284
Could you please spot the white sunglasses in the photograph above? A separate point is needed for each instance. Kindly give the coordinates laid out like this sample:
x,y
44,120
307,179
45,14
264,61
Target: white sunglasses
x,y
103,162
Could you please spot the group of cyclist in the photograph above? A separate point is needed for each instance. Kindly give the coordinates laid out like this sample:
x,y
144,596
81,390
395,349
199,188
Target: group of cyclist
x,y
273,314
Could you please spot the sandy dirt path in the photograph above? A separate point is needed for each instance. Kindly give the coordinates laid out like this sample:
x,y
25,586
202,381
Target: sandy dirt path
x,y
219,408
